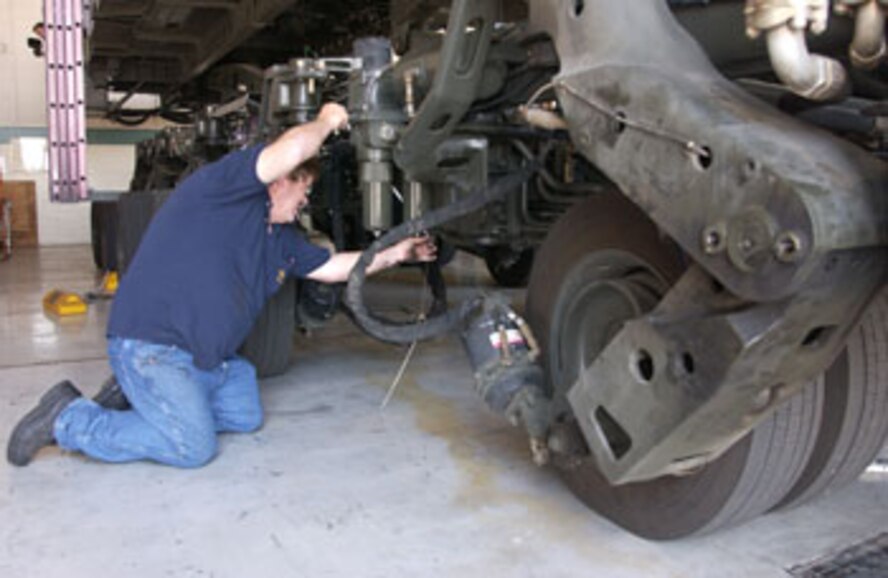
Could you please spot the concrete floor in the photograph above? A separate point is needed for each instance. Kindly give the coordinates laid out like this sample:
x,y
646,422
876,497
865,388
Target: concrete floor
x,y
332,485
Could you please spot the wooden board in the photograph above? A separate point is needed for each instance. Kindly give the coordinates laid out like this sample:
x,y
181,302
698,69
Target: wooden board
x,y
24,212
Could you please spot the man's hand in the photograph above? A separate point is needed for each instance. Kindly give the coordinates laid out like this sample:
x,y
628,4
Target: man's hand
x,y
299,143
415,249
334,116
410,250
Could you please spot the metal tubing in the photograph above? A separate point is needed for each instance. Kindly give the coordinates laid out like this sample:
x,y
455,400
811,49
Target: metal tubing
x,y
416,201
376,182
541,118
868,47
545,181
809,75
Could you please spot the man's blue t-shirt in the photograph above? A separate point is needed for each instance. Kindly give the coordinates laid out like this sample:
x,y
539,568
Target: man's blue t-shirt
x,y
208,262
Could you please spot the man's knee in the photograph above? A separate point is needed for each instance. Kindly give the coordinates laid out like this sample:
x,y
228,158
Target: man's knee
x,y
236,404
255,420
196,451
241,370
247,421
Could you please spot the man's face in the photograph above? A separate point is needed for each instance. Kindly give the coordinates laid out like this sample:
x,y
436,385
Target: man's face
x,y
288,198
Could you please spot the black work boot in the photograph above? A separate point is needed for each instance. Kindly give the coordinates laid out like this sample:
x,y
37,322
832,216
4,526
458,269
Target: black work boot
x,y
111,396
35,430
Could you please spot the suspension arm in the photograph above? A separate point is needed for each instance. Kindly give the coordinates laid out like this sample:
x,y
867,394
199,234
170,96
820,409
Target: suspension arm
x,y
785,226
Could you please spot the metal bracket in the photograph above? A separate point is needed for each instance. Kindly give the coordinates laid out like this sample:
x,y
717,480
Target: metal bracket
x,y
676,388
457,80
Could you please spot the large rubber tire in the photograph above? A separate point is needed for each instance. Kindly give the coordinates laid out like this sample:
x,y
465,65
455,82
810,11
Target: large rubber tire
x,y
103,229
747,480
135,211
855,410
98,250
269,345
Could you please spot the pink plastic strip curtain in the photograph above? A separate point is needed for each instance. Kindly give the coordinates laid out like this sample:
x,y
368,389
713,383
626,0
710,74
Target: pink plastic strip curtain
x,y
66,110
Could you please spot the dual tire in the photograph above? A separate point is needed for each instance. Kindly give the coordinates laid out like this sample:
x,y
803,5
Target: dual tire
x,y
103,233
817,441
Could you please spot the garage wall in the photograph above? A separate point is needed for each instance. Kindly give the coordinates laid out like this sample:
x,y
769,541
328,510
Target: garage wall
x,y
21,90
110,168
23,119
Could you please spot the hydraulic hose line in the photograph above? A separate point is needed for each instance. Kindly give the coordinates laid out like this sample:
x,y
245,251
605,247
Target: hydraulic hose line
x,y
404,333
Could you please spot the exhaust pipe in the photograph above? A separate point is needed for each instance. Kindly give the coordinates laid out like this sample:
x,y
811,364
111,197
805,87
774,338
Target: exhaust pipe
x,y
784,23
809,75
868,46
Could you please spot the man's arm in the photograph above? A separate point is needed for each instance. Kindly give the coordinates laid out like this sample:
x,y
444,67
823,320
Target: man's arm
x,y
337,268
299,143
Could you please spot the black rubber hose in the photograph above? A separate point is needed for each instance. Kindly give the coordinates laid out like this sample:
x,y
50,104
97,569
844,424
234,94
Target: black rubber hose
x,y
402,333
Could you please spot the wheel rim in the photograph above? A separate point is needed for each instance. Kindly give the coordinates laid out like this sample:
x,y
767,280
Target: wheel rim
x,y
614,287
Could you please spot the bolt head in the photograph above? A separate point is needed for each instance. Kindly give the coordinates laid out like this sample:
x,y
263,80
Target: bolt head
x,y
788,247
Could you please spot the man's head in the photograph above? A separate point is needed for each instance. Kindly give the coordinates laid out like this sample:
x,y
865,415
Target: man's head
x,y
289,194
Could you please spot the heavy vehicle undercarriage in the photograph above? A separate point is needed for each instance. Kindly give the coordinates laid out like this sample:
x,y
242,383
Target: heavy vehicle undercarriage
x,y
699,217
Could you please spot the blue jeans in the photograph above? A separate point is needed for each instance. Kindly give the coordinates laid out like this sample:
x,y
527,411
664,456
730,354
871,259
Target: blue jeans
x,y
177,409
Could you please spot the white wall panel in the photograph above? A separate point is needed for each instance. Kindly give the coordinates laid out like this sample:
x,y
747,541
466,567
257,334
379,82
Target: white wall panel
x,y
110,168
8,95
21,88
29,71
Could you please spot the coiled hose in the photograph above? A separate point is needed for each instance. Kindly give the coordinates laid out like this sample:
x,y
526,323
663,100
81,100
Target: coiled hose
x,y
403,333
